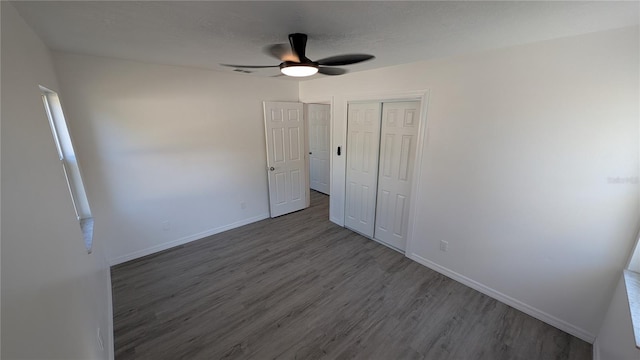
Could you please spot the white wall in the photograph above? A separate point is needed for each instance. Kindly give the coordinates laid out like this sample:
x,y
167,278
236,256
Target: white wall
x,y
54,295
163,143
519,171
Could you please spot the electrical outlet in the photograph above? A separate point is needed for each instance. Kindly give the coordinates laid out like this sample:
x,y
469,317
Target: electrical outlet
x,y
243,205
166,225
444,245
100,342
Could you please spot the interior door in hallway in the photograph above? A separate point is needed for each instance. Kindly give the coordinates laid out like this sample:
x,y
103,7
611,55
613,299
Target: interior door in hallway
x,y
398,139
286,166
363,139
319,116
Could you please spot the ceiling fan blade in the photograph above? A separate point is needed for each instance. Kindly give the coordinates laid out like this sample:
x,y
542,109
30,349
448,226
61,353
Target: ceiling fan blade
x,y
346,59
298,45
331,71
251,66
282,52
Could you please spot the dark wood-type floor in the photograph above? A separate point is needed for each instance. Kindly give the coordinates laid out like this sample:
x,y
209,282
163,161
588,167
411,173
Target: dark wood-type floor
x,y
300,287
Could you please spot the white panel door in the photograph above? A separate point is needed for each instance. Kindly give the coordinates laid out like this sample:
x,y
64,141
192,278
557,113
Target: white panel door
x,y
363,139
284,130
319,142
397,154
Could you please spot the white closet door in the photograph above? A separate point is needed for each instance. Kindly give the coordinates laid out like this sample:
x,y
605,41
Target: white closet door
x,y
397,154
363,140
319,144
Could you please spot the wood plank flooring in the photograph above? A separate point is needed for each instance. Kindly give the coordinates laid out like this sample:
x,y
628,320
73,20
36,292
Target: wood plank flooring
x,y
300,287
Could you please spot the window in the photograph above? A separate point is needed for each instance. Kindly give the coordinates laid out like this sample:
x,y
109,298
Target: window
x,y
632,284
70,167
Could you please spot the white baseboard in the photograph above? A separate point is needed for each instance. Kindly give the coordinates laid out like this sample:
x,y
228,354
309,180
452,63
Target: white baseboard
x,y
596,350
516,304
184,240
110,345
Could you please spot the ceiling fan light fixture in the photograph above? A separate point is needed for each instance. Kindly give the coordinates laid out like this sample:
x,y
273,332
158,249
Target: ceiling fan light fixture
x,y
298,70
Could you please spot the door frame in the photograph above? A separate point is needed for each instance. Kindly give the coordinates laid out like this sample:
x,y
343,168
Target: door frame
x,y
422,96
325,101
307,118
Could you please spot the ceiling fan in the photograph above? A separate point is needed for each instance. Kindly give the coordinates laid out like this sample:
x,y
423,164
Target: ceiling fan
x,y
295,63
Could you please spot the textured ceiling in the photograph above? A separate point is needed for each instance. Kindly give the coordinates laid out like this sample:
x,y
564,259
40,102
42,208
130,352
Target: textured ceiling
x,y
204,33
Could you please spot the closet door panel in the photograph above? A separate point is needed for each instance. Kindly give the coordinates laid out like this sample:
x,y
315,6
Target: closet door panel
x,y
363,140
397,155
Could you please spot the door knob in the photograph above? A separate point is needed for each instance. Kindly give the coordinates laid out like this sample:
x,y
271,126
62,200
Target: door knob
x,y
310,153
271,168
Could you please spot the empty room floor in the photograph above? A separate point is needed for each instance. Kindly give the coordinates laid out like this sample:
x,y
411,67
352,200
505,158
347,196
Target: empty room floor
x,y
301,287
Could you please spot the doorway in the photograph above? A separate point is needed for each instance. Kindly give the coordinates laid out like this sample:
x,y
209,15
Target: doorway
x,y
319,119
298,147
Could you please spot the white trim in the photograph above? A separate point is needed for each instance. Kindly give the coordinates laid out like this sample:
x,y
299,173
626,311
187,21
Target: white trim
x,y
331,147
110,345
596,350
323,101
387,96
516,304
184,240
417,169
329,100
318,100
307,158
